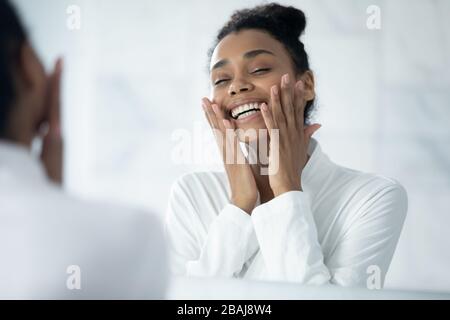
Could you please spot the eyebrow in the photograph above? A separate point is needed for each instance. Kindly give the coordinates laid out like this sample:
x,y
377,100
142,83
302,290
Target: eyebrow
x,y
247,55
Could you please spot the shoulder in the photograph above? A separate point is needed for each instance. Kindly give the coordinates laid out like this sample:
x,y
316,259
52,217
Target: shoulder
x,y
100,215
370,190
372,183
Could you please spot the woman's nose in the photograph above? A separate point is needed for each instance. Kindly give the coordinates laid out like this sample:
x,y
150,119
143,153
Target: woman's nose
x,y
238,87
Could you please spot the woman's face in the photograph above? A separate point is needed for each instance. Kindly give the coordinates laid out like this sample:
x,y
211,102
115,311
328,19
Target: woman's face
x,y
244,67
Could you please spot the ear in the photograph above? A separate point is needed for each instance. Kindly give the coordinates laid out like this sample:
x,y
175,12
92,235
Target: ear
x,y
308,79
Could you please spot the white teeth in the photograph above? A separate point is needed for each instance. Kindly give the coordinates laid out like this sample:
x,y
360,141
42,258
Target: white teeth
x,y
247,114
245,107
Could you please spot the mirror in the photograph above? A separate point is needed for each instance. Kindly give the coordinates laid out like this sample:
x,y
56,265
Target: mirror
x,y
367,207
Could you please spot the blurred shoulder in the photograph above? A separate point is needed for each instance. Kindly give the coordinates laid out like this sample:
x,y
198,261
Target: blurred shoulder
x,y
100,214
371,188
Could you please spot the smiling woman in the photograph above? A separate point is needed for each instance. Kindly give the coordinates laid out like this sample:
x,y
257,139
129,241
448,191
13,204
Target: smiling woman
x,y
310,220
277,54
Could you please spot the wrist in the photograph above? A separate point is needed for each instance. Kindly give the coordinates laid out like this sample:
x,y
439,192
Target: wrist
x,y
244,205
288,187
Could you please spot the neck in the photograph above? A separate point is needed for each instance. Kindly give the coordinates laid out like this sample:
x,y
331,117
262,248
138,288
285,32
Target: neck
x,y
262,180
262,183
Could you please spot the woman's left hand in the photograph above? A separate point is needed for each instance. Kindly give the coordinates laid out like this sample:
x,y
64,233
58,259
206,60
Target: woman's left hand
x,y
286,114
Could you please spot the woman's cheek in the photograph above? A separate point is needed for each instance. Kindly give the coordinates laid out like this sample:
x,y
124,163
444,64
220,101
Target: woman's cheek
x,y
267,84
217,96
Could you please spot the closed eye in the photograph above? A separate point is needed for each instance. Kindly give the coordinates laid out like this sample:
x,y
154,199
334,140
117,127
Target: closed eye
x,y
262,70
220,81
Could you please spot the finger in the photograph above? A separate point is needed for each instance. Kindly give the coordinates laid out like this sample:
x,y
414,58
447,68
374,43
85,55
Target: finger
x,y
219,128
287,93
54,118
232,152
209,112
275,104
230,128
268,118
227,124
300,104
205,101
220,115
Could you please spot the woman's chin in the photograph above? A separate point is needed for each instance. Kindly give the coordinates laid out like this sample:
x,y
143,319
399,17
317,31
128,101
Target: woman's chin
x,y
252,133
255,122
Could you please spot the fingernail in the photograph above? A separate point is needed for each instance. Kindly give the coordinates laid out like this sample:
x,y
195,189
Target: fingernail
x,y
215,108
275,90
286,78
264,107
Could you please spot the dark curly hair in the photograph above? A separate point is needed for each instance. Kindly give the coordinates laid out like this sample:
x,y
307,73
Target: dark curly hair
x,y
285,24
12,36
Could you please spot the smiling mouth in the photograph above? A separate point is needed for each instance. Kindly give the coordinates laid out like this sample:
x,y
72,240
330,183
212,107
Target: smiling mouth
x,y
245,110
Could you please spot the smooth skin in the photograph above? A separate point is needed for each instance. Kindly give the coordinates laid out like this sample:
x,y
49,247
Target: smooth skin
x,y
253,66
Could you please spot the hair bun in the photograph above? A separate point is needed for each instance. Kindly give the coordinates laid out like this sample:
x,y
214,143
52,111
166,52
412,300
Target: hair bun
x,y
290,19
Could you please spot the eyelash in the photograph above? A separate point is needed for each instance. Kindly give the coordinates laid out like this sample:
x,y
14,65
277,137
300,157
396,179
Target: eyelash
x,y
257,71
261,70
220,81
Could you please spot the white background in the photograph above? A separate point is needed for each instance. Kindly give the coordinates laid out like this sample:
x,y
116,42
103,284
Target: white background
x,y
136,71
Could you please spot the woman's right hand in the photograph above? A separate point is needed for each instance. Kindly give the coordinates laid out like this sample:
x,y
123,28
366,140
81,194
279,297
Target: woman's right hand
x,y
52,147
244,192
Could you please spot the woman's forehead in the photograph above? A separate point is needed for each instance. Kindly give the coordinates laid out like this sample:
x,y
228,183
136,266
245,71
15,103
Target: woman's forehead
x,y
235,45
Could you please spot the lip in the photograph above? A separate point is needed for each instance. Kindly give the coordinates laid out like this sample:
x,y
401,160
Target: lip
x,y
248,119
240,102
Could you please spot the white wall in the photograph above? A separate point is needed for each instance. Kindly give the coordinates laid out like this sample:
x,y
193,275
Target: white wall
x,y
135,74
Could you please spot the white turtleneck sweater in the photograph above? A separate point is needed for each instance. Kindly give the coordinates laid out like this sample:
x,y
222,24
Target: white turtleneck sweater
x,y
342,228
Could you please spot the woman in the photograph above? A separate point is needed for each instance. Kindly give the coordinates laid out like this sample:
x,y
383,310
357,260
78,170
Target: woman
x,y
53,245
309,220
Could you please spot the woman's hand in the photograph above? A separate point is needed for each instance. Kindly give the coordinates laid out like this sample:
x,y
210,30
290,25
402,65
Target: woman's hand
x,y
286,113
52,148
244,192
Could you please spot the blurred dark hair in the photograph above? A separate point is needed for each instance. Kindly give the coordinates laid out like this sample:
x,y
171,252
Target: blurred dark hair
x,y
285,24
12,37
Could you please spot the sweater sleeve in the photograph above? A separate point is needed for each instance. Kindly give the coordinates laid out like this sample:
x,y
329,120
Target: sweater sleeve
x,y
198,247
288,239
